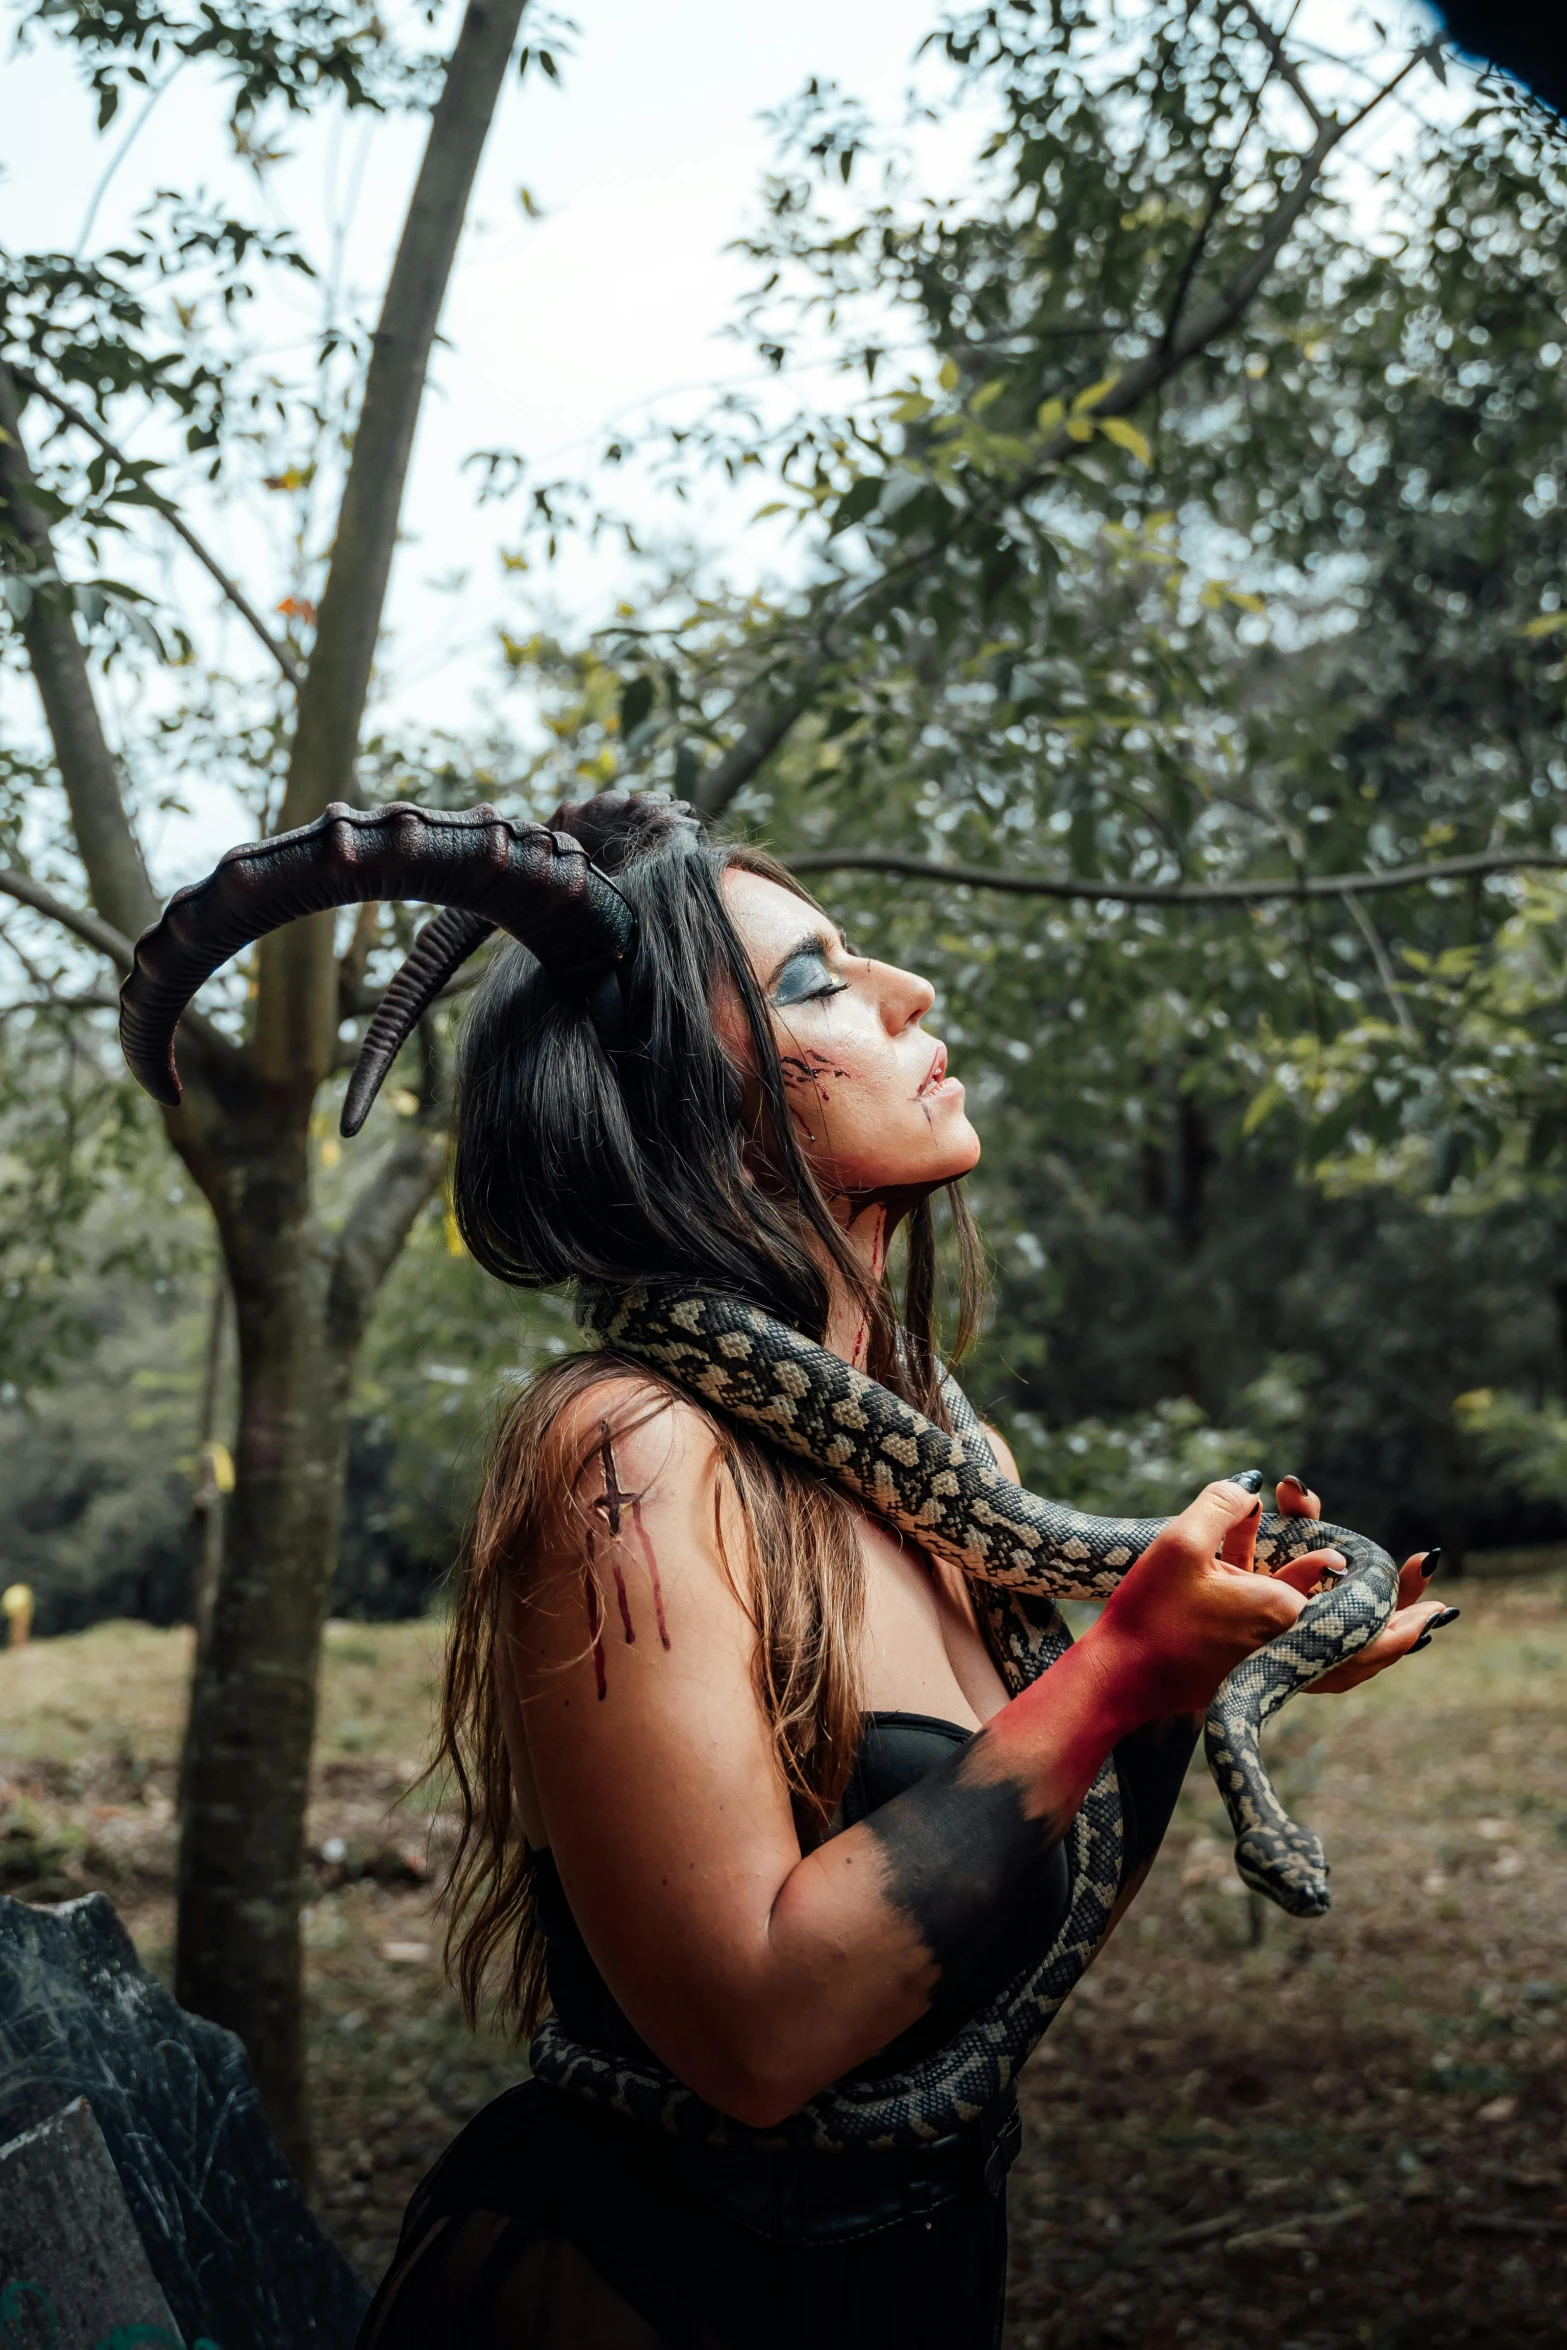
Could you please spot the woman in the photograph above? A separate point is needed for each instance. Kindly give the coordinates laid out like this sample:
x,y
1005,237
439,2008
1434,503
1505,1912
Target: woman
x,y
751,1792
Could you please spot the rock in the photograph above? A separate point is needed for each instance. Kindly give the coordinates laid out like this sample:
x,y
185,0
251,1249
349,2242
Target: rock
x,y
227,2234
72,2266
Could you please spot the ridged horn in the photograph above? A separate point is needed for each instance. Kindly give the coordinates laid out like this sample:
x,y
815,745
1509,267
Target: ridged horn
x,y
522,878
445,943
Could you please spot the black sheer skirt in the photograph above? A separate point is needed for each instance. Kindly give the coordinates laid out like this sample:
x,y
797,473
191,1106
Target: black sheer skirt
x,y
551,2225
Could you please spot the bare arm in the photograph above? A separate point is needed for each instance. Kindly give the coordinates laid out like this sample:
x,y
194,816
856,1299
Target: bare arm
x,y
756,1973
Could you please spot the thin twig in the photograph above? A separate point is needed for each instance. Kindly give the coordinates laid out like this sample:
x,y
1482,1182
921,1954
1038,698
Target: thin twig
x,y
49,997
1178,893
96,1000
1199,243
1385,972
93,931
1283,64
79,920
719,783
176,521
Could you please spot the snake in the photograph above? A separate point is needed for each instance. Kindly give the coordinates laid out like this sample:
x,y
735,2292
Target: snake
x,y
1021,1554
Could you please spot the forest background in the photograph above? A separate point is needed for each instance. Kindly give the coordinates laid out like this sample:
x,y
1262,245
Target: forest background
x,y
1145,476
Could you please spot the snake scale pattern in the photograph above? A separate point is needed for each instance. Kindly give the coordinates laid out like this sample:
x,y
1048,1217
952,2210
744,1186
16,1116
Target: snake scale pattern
x,y
1021,1554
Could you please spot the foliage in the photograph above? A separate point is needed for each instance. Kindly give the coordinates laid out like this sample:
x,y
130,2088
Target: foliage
x,y
1300,614
1296,608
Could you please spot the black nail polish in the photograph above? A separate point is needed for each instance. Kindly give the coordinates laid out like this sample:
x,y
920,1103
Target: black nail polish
x,y
1249,1480
1431,1561
1290,1478
1449,1615
1424,1641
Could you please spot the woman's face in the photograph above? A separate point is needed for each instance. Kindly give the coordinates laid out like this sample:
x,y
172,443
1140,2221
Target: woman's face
x,y
874,1108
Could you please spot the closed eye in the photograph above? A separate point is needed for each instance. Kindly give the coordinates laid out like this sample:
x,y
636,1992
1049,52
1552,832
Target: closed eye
x,y
805,977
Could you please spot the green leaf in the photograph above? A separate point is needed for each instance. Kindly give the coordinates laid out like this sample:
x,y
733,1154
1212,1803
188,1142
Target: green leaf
x,y
1126,436
1050,414
859,499
1094,394
950,377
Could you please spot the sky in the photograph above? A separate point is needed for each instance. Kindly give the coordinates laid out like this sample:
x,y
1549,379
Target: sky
x,y
644,163
610,308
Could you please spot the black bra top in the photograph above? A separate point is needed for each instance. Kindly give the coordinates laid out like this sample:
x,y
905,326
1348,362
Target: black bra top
x,y
896,1751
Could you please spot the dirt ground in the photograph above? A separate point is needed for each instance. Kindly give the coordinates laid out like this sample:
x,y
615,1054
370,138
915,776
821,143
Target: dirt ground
x,y
1242,2130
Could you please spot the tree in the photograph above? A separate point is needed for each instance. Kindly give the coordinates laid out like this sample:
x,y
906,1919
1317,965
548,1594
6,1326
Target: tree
x,y
1155,215
81,340
1286,640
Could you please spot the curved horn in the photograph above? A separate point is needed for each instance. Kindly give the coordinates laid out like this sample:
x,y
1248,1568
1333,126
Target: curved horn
x,y
445,942
517,877
604,827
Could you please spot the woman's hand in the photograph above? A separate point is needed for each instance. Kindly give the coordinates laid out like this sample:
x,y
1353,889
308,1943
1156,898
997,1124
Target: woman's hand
x,y
1194,1605
1409,1627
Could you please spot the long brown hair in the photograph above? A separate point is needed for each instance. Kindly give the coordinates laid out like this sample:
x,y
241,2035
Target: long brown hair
x,y
572,1164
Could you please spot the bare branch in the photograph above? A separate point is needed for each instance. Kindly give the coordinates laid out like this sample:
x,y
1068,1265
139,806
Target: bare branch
x,y
280,652
1384,967
716,786
351,989
1180,893
49,997
1216,192
381,1219
296,1014
1283,64
95,1000
1147,375
81,923
116,875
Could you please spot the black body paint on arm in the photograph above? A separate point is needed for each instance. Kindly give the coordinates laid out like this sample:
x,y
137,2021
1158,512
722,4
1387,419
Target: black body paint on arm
x,y
955,1852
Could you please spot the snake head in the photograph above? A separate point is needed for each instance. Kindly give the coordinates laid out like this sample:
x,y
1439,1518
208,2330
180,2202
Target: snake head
x,y
1289,1865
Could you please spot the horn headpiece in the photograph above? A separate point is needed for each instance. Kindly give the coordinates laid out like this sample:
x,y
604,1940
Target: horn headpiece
x,y
485,871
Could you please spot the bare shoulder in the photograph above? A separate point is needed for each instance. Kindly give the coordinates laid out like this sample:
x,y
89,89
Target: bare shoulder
x,y
634,1433
636,1544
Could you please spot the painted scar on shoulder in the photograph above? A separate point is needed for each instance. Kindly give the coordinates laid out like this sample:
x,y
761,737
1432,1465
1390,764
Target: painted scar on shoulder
x,y
612,1507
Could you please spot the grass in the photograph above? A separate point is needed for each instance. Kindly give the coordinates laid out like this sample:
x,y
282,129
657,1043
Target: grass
x,y
1243,2130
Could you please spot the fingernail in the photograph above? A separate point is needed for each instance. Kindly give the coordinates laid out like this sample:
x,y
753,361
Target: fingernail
x,y
1431,1561
1449,1615
1290,1478
1335,1563
1424,1641
1249,1480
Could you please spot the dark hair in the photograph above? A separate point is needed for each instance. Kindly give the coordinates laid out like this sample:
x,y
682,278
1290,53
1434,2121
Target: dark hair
x,y
578,1164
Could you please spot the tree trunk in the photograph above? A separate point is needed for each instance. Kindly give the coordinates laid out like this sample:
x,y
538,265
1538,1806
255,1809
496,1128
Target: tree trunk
x,y
207,1506
247,1762
302,1295
302,1298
